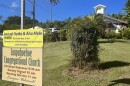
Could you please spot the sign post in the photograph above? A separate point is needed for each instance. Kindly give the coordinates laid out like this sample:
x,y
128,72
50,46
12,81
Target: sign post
x,y
22,60
22,18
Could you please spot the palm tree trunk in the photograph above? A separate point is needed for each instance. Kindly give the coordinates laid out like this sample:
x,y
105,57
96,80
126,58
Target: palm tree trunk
x,y
51,11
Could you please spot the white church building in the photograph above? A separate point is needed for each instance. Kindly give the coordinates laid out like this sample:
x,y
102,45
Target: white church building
x,y
113,23
99,9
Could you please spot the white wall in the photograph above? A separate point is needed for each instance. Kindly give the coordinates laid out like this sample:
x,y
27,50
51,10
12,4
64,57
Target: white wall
x,y
100,11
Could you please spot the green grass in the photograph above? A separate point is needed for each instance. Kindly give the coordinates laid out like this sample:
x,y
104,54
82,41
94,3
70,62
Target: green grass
x,y
114,56
1,40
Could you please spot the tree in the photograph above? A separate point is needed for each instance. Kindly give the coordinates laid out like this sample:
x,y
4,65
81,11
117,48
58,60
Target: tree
x,y
118,16
62,35
56,24
13,22
127,10
1,28
101,24
53,2
0,17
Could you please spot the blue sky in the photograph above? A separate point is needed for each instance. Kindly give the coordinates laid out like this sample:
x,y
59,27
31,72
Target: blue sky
x,y
64,10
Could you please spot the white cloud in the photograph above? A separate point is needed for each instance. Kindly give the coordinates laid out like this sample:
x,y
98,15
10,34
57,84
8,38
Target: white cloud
x,y
14,5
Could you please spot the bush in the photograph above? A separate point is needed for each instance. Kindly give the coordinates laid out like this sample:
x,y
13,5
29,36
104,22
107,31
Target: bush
x,y
47,36
119,35
51,36
126,33
84,45
62,35
111,35
68,33
54,36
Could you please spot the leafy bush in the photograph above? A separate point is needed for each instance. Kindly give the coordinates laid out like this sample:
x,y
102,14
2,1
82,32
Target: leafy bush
x,y
119,35
68,33
101,24
62,35
47,36
84,45
111,35
126,33
54,36
51,36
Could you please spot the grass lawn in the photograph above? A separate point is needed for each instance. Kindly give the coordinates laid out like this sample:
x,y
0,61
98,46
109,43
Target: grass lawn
x,y
1,40
115,66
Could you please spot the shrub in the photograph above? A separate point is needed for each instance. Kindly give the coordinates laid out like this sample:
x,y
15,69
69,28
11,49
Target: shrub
x,y
111,35
51,36
126,33
47,36
54,37
68,33
62,35
84,44
119,35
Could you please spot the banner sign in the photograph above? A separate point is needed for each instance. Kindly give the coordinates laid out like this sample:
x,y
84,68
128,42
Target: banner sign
x,y
22,65
23,38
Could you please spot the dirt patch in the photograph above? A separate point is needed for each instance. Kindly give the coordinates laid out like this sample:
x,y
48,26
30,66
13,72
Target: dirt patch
x,y
81,74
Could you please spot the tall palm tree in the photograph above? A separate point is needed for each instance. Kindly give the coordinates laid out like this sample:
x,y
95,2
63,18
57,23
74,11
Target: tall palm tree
x,y
53,2
0,17
127,10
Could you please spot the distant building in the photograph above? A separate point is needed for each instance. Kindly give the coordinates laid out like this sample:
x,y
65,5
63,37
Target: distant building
x,y
99,9
113,23
53,29
36,27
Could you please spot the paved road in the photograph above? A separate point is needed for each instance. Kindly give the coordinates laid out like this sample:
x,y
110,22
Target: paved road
x,y
1,44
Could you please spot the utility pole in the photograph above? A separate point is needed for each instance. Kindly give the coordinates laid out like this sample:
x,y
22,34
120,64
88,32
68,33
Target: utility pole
x,y
34,13
22,19
22,14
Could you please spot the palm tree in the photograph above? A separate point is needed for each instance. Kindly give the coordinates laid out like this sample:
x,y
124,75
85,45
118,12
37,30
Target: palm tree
x,y
53,2
127,10
1,17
